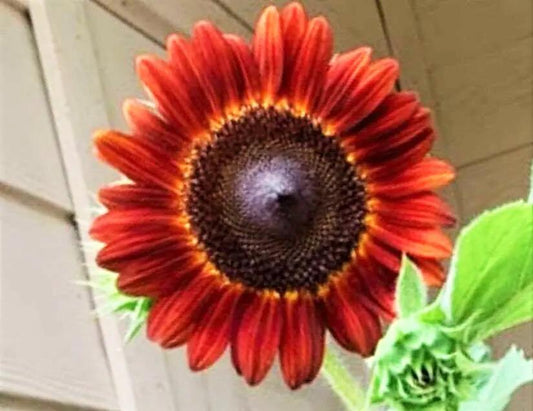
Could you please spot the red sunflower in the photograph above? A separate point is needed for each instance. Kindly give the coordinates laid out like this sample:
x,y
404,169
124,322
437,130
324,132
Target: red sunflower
x,y
270,194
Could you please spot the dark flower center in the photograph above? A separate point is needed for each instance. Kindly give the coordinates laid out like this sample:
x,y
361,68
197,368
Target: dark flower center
x,y
274,202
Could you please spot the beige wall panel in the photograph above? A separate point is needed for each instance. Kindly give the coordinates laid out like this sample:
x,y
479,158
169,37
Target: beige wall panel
x,y
12,403
472,61
189,389
29,156
493,182
485,104
148,369
273,394
225,389
50,345
158,19
407,47
355,23
115,46
458,30
184,13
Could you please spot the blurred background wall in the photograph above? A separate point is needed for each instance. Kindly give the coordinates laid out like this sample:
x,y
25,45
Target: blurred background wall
x,y
66,66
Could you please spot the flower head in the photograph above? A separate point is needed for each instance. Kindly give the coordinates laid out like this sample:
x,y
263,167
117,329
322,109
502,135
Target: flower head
x,y
270,193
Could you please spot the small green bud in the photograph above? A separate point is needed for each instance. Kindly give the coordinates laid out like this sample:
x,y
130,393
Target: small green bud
x,y
421,366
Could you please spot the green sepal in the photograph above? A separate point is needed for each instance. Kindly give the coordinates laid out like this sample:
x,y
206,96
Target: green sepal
x,y
491,272
411,292
507,375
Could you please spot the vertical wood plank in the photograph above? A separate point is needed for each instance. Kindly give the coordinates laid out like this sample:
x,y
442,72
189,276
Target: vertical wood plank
x,y
77,104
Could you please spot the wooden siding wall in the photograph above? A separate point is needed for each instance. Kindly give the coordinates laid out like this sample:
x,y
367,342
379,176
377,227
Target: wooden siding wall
x,y
66,67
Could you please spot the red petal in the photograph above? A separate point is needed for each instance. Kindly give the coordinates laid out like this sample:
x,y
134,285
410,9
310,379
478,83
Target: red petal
x,y
382,254
172,96
212,335
268,51
187,66
159,273
389,164
302,342
349,321
293,25
422,242
138,159
376,83
256,337
423,210
127,247
248,68
428,174
311,64
343,76
173,319
375,286
146,124
218,63
124,196
386,143
395,110
432,270
132,221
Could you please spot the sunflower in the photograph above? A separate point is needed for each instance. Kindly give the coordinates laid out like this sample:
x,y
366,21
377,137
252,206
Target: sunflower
x,y
270,191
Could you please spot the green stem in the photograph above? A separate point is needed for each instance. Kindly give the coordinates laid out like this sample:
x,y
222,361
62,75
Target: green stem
x,y
342,382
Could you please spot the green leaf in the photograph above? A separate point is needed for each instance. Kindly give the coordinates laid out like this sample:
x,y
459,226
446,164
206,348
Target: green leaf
x,y
133,309
511,372
491,272
530,198
516,311
137,318
411,293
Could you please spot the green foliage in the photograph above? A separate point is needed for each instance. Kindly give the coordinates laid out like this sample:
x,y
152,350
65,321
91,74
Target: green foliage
x,y
411,292
133,309
530,197
432,357
491,276
508,374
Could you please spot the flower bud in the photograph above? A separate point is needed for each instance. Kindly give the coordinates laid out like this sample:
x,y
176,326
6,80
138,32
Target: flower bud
x,y
421,366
